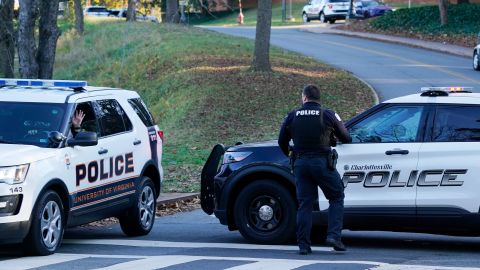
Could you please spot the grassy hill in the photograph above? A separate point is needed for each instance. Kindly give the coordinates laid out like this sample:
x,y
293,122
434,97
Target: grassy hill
x,y
199,87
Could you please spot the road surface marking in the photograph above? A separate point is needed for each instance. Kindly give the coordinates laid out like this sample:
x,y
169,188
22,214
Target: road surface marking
x,y
35,262
165,244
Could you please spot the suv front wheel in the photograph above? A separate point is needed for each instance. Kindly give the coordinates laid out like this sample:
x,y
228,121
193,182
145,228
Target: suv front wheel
x,y
48,225
140,218
322,18
265,212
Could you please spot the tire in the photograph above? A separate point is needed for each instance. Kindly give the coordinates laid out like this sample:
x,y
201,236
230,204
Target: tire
x,y
305,18
476,61
366,15
322,18
332,21
48,226
139,219
265,212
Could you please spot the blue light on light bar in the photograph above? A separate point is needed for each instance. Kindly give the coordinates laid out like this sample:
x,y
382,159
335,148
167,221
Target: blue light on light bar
x,y
42,83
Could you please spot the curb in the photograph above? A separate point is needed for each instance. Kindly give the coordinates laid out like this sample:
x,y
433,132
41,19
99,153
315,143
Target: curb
x,y
428,45
376,99
169,198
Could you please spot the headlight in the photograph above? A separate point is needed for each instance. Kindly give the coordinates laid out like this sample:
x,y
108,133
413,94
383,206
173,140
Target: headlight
x,y
231,157
14,174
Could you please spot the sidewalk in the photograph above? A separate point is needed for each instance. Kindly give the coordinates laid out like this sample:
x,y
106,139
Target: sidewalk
x,y
429,45
166,198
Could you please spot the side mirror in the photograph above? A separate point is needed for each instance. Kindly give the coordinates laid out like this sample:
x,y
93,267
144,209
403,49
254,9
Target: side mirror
x,y
84,139
56,137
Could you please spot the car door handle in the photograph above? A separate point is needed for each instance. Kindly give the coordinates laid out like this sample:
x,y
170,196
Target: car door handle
x,y
137,142
102,151
396,152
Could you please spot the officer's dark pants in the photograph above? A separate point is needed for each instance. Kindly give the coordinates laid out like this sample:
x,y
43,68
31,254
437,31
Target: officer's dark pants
x,y
312,171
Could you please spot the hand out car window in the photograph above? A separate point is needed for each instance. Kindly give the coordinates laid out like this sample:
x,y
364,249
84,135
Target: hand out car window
x,y
393,124
457,124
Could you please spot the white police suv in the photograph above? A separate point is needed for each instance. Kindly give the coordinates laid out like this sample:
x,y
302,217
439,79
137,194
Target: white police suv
x,y
413,165
54,176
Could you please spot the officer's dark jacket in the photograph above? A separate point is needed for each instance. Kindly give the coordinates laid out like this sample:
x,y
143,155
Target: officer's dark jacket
x,y
312,129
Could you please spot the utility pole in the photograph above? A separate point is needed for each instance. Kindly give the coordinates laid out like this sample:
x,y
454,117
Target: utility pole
x,y
284,10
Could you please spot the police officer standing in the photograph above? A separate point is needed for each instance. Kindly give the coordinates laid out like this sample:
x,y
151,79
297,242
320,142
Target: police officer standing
x,y
313,131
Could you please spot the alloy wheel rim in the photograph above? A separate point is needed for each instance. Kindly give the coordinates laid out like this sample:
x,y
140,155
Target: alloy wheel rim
x,y
51,224
146,205
264,214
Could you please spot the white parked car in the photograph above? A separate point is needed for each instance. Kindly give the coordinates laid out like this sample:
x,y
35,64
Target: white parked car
x,y
122,13
97,11
54,176
325,10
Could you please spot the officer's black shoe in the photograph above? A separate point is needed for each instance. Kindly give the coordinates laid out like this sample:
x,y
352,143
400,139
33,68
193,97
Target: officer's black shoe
x,y
336,244
305,251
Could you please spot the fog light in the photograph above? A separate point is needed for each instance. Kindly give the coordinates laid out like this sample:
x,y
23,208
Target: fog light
x,y
9,205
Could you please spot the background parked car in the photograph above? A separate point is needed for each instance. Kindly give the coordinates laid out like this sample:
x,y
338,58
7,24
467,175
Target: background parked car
x,y
476,57
325,10
122,13
99,11
371,8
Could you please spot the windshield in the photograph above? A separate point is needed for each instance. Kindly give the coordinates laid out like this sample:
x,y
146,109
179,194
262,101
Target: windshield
x,y
29,123
98,9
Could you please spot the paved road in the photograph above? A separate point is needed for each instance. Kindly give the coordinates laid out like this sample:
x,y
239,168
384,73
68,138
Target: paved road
x,y
197,241
393,70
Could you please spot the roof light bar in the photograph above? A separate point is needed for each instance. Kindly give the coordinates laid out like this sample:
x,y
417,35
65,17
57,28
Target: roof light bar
x,y
450,89
42,83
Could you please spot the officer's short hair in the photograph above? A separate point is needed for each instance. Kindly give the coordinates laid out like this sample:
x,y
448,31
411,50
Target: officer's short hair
x,y
311,92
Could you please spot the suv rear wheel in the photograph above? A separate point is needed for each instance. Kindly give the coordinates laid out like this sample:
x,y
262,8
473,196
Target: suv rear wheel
x,y
140,218
476,61
48,225
265,212
322,18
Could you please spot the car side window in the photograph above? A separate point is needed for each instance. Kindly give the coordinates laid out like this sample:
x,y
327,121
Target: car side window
x,y
141,109
112,117
457,124
393,124
89,122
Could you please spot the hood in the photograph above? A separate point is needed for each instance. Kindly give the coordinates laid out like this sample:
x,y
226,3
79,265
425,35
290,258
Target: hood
x,y
272,143
16,154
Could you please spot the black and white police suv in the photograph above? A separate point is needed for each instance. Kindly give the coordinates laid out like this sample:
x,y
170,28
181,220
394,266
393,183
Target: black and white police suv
x,y
53,177
413,165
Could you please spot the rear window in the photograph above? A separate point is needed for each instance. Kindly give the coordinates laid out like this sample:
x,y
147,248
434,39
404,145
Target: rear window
x,y
141,109
457,124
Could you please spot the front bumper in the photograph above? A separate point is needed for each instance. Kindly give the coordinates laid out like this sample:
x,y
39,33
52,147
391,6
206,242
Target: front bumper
x,y
13,232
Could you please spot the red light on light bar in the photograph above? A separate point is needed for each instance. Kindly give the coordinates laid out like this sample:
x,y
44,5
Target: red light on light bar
x,y
160,134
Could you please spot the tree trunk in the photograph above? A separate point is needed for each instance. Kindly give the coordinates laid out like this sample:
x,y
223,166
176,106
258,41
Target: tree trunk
x,y
47,38
79,26
443,6
27,45
172,11
131,10
7,41
261,57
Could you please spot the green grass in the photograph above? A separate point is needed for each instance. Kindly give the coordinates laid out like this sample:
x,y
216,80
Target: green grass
x,y
198,85
250,19
463,20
